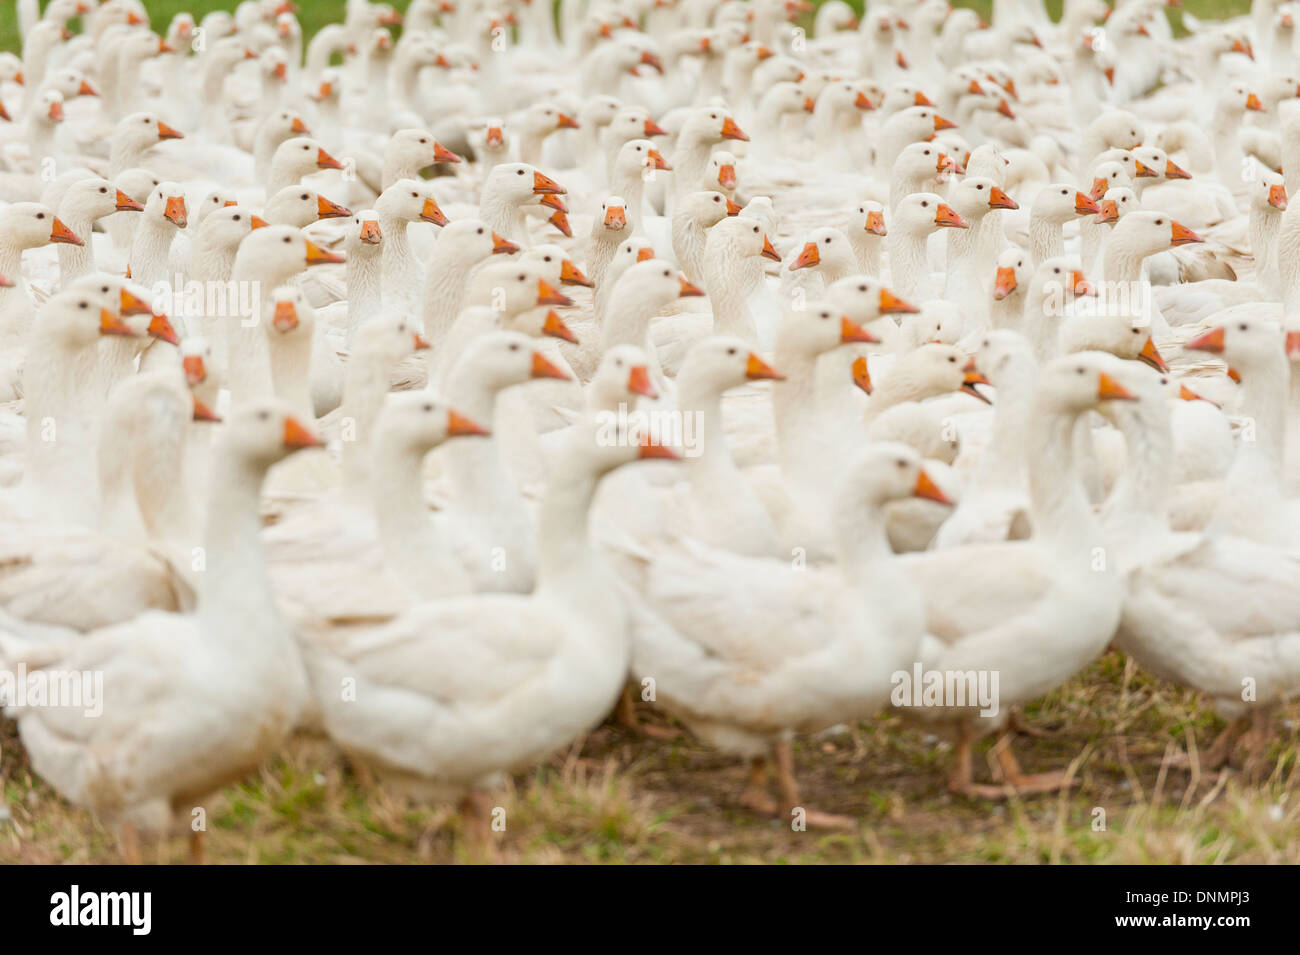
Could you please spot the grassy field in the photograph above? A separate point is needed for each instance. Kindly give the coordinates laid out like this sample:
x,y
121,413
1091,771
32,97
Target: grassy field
x,y
619,798
316,13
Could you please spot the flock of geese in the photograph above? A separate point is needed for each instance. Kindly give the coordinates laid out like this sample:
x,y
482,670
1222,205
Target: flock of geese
x,y
947,347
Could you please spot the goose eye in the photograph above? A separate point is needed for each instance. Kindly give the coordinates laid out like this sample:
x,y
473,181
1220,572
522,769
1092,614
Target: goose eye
x,y
827,240
262,416
237,218
286,240
514,346
1160,222
952,359
1081,371
927,152
519,172
1057,271
925,205
1243,326
103,190
415,195
82,305
480,231
731,351
423,141
618,362
428,406
40,215
901,463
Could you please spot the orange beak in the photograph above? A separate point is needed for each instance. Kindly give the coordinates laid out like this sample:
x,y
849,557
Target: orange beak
x,y
548,294
202,412
1005,284
861,374
555,327
570,274
973,378
86,89
1109,211
928,490
756,370
1181,235
1000,200
1098,188
431,213
1211,341
732,208
645,255
544,369
1142,170
1078,285
1277,196
639,383
851,332
876,223
442,154
460,426
1239,46
566,122
655,160
318,256
731,131
891,304
1108,389
652,61
110,324
543,184
807,258
299,127
175,212
1005,109
166,132
370,233
56,111
495,137
1293,345
286,317
502,246
616,218
974,88
727,176
296,436
419,342
330,210
809,104
769,252
280,71
561,222
654,129
161,329
126,204
61,233
133,305
1151,356
945,216
687,289
1174,171
920,99
195,371
940,123
325,161
1084,204
862,102
553,202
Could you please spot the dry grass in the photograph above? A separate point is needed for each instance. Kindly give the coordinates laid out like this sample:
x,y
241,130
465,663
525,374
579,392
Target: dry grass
x,y
615,798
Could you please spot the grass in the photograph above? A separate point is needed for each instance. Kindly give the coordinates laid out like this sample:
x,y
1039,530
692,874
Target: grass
x,y
314,14
618,798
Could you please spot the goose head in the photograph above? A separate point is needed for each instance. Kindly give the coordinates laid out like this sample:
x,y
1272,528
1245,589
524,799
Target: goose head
x,y
1060,202
739,237
720,171
419,421
137,183
542,119
471,241
1236,99
488,138
166,203
214,200
1073,384
915,124
864,299
1056,278
1268,192
826,248
301,156
70,83
598,111
845,98
277,253
921,213
1152,162
300,206
936,321
49,108
30,225
1108,175
1251,346
363,238
622,375
95,198
292,317
653,284
388,339
224,229
513,286
417,149
631,122
869,217
1012,273
273,65
819,328
1146,233
282,124
719,363
710,125
923,162
883,472
900,95
1003,355
931,370
707,209
264,433
1116,129
1115,204
976,196
76,318
611,223
785,98
518,183
555,266
636,156
500,360
410,200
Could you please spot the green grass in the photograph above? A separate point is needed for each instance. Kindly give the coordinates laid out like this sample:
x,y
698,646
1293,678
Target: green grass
x,y
316,13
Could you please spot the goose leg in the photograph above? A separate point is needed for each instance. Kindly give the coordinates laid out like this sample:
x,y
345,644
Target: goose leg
x,y
961,780
784,753
1219,752
755,796
1022,726
476,808
196,847
1021,782
1252,743
626,716
130,842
